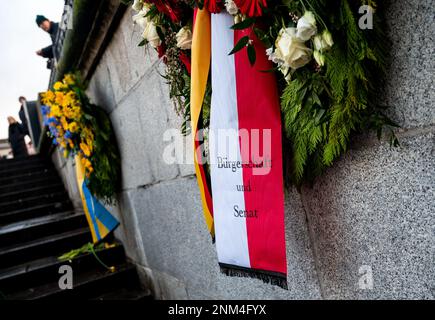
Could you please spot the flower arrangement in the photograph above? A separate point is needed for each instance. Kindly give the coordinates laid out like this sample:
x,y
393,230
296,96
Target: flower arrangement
x,y
328,67
83,129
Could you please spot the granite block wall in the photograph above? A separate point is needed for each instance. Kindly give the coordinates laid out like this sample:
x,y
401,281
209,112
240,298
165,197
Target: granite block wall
x,y
365,230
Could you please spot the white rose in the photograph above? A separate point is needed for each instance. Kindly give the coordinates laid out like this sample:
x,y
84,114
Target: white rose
x,y
273,57
151,35
184,39
137,5
306,27
231,7
291,49
323,42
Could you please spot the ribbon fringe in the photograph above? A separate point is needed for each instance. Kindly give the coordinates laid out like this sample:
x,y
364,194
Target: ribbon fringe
x,y
267,277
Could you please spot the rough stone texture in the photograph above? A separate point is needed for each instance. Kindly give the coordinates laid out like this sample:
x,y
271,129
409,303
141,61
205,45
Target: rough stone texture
x,y
129,233
177,243
375,208
410,83
100,88
67,172
129,132
168,287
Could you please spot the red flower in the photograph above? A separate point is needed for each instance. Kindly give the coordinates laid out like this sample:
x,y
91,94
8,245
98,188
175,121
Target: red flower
x,y
186,61
161,51
170,8
213,6
252,8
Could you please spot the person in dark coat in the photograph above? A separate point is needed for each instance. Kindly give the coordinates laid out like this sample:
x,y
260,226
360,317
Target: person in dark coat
x,y
23,117
16,139
51,28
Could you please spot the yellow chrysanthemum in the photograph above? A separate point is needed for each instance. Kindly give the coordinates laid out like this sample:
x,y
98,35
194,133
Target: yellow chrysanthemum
x,y
47,97
69,99
88,134
69,79
85,149
59,86
73,127
55,111
90,144
64,123
67,112
60,96
88,166
71,143
76,112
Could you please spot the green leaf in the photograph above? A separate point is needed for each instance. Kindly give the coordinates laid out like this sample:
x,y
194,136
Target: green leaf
x,y
252,55
240,45
142,43
244,24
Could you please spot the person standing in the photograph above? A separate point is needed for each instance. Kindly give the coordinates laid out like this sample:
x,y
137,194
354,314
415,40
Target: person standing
x,y
16,139
23,118
51,28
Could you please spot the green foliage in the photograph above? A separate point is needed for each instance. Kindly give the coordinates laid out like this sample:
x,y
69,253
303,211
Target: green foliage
x,y
88,248
324,105
322,108
105,181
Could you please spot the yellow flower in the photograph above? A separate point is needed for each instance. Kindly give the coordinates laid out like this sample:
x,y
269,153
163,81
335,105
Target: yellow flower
x,y
58,86
73,127
65,154
85,149
69,79
88,166
63,144
55,111
65,124
67,112
90,144
60,96
71,144
76,112
88,134
69,99
47,97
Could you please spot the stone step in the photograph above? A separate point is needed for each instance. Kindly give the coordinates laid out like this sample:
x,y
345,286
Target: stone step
x,y
25,185
125,294
28,177
87,285
34,190
40,227
35,211
34,200
39,248
39,272
25,168
24,161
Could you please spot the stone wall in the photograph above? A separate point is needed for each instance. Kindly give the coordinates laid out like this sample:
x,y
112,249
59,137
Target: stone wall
x,y
372,212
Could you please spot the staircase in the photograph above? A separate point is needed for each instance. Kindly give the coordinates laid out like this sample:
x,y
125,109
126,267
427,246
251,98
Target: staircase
x,y
38,224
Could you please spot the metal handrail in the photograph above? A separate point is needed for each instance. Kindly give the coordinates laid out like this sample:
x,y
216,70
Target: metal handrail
x,y
64,25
